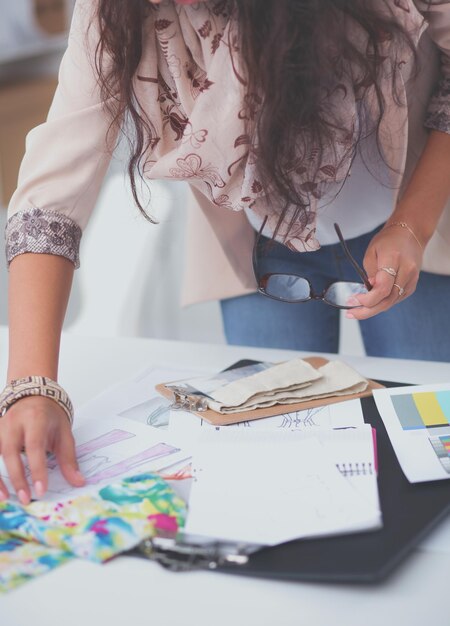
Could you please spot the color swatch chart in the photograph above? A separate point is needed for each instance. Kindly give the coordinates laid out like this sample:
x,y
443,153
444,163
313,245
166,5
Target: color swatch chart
x,y
441,445
425,409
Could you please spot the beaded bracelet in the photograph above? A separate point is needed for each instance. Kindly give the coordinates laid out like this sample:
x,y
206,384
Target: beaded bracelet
x,y
405,225
35,386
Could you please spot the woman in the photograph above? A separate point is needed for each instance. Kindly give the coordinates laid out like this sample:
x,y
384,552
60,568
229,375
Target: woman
x,y
264,108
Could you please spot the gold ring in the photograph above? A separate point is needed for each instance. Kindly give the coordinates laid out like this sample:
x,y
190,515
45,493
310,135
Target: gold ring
x,y
389,270
401,290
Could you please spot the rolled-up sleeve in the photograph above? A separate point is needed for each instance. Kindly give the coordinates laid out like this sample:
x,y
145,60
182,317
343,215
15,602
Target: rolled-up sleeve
x,y
67,157
437,14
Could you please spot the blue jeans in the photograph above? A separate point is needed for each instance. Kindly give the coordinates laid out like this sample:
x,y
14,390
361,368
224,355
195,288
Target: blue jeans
x,y
416,328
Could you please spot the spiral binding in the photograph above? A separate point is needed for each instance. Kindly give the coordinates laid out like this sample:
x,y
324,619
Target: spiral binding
x,y
355,469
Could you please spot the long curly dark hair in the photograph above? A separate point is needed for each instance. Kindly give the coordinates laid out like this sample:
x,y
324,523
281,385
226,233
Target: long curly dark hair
x,y
289,50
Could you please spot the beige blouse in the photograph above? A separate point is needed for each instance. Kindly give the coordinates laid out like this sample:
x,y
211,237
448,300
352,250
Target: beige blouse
x,y
189,84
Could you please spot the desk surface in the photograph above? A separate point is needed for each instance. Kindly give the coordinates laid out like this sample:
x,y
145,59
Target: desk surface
x,y
135,592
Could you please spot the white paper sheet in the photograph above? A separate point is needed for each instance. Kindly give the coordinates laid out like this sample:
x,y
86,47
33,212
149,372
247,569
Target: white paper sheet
x,y
135,398
419,429
270,487
342,415
108,449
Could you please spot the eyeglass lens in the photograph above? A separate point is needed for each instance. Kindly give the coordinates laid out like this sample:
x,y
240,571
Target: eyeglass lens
x,y
340,294
288,287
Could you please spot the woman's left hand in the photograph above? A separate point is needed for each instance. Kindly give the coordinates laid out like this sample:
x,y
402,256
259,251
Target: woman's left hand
x,y
396,250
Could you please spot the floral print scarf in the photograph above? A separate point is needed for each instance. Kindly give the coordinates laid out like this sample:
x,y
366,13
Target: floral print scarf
x,y
190,85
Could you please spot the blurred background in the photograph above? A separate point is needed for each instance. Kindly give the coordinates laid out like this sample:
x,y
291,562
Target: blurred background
x,y
131,289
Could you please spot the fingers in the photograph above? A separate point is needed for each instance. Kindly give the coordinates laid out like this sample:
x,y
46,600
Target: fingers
x,y
382,281
394,278
363,313
392,264
25,428
36,425
394,297
16,471
4,493
11,446
67,460
36,450
34,441
387,293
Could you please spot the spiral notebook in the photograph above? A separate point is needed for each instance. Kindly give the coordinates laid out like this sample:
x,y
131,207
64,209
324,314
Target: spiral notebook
x,y
324,483
355,454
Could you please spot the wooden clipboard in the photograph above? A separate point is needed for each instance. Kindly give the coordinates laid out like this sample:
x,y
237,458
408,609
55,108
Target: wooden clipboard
x,y
219,419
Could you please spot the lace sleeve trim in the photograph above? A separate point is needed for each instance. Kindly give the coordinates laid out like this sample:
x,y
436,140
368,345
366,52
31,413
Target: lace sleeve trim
x,y
43,232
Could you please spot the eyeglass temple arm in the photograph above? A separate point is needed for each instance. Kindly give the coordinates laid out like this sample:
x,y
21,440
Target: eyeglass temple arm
x,y
255,248
359,270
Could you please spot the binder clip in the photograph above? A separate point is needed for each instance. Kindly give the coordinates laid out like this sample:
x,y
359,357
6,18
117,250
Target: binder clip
x,y
184,557
184,401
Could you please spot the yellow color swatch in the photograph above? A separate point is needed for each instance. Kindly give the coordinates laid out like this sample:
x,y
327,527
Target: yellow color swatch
x,y
429,409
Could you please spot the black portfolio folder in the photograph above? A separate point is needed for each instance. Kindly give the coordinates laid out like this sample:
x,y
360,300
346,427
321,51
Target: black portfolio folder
x,y
409,510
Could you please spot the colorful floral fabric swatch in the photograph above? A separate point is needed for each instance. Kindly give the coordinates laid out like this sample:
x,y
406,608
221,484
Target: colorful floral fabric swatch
x,y
21,561
36,538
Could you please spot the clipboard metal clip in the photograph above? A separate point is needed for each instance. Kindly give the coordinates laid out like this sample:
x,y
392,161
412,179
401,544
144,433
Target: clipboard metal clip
x,y
183,401
184,557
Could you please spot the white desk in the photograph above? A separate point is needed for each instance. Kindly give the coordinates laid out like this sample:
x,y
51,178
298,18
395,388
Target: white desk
x,y
134,592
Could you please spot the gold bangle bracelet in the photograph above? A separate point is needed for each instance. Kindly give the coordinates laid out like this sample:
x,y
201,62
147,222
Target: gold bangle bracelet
x,y
405,225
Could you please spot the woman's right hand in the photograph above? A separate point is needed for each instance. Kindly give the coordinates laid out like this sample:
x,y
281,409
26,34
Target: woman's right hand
x,y
36,425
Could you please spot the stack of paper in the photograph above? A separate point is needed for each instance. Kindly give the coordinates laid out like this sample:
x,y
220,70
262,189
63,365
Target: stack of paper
x,y
269,487
299,474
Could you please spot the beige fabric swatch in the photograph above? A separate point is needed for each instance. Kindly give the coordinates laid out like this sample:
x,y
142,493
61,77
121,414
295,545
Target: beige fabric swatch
x,y
284,376
335,378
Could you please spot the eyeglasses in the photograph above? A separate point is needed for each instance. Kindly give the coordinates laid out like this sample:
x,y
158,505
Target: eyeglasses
x,y
294,288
